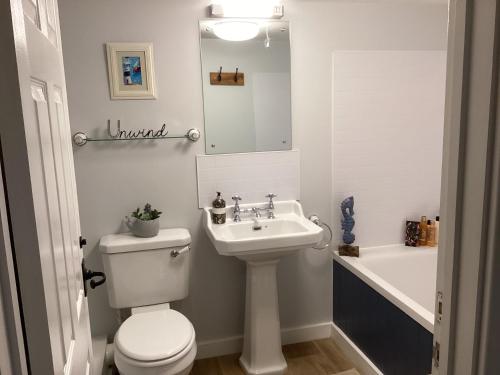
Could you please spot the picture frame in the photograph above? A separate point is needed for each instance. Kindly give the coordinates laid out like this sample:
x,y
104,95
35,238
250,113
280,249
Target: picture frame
x,y
130,71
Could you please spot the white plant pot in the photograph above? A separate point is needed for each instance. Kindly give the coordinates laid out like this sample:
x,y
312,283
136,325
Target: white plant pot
x,y
143,228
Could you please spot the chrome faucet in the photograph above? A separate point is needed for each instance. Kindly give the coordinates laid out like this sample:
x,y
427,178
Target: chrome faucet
x,y
270,205
236,209
269,208
256,224
256,211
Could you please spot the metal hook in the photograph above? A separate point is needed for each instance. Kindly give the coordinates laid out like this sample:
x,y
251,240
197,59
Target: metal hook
x,y
219,77
117,132
236,75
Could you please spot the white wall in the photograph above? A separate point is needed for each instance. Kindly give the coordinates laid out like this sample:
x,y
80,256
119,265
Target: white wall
x,y
113,179
388,122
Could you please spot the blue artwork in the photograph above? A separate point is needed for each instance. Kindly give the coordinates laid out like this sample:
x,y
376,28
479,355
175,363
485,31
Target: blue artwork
x,y
132,71
347,208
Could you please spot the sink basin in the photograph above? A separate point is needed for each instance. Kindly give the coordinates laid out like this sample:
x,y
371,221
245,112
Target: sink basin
x,y
262,249
290,230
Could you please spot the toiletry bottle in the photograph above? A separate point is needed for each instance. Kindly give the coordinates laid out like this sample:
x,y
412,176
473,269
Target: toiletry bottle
x,y
431,233
411,235
219,210
422,239
436,223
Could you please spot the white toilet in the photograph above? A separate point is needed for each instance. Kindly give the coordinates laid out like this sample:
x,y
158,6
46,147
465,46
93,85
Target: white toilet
x,y
144,274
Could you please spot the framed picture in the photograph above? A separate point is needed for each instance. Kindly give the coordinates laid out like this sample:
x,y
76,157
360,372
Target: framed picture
x,y
130,70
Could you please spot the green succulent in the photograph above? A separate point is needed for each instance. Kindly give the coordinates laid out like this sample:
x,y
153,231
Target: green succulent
x,y
147,214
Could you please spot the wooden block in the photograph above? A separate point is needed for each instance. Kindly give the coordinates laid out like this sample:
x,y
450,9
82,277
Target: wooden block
x,y
349,250
227,79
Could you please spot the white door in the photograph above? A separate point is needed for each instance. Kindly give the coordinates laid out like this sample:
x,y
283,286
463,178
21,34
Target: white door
x,y
466,329
58,331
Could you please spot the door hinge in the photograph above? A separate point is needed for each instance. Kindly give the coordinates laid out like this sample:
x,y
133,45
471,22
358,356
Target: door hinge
x,y
435,354
439,306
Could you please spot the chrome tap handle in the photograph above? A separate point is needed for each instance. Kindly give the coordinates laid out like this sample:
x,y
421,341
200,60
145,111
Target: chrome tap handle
x,y
270,205
236,210
236,198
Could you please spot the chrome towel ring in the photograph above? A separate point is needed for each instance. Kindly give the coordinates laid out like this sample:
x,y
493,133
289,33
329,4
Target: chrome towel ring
x,y
316,220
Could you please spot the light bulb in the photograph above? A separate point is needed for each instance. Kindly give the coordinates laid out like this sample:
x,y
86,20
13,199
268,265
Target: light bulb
x,y
236,30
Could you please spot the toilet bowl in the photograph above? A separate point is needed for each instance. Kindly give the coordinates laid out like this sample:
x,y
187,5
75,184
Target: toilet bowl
x,y
145,275
160,342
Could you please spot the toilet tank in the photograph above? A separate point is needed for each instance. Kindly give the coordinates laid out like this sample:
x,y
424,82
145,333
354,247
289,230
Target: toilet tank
x,y
145,271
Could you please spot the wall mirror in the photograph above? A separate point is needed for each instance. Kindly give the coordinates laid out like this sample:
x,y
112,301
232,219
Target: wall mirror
x,y
246,85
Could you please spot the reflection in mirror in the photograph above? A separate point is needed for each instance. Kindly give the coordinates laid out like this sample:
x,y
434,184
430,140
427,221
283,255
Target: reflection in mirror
x,y
246,85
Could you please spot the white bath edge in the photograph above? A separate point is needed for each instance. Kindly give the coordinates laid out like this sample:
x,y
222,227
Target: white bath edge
x,y
396,297
234,344
353,353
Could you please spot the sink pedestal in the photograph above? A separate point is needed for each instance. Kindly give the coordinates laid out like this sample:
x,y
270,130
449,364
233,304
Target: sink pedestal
x,y
262,341
288,232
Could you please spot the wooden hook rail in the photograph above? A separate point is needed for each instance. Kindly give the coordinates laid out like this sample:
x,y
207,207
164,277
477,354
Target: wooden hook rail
x,y
221,78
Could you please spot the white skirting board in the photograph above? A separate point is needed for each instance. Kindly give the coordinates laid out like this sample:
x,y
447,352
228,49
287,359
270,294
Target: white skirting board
x,y
231,345
355,355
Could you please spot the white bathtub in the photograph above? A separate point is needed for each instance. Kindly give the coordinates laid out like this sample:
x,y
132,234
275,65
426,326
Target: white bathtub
x,y
406,276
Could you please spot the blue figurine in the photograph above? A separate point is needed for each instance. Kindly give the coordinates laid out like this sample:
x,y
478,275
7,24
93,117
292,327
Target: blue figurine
x,y
347,209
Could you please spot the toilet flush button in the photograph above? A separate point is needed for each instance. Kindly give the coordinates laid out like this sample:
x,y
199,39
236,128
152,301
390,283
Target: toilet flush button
x,y
155,335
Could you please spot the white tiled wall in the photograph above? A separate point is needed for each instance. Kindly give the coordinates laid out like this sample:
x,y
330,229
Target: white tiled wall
x,y
388,114
251,175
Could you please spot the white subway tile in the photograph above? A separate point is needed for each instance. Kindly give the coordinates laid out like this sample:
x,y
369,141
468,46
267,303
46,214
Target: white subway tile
x,y
251,175
387,138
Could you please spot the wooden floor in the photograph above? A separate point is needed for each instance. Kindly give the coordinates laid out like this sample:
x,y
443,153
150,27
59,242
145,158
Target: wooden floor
x,y
322,357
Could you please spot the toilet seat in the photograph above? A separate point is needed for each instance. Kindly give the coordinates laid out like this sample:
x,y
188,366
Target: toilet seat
x,y
155,337
181,364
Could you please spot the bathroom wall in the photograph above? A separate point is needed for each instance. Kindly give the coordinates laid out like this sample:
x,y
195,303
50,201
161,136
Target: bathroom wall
x,y
388,122
114,179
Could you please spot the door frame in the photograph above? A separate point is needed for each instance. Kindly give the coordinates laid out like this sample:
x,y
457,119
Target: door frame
x,y
12,349
470,193
470,190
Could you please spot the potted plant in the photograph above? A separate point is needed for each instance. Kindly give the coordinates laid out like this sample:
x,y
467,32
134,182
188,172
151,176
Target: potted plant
x,y
144,223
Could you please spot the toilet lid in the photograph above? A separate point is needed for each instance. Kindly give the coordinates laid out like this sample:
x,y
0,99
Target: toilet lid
x,y
154,335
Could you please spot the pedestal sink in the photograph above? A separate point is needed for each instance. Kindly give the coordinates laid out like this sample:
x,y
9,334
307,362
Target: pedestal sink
x,y
262,249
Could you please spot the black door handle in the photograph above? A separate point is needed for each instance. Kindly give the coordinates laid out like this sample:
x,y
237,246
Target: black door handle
x,y
89,275
93,283
83,242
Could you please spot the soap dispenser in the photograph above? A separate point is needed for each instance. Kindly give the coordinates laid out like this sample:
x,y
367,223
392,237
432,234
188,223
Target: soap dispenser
x,y
219,210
